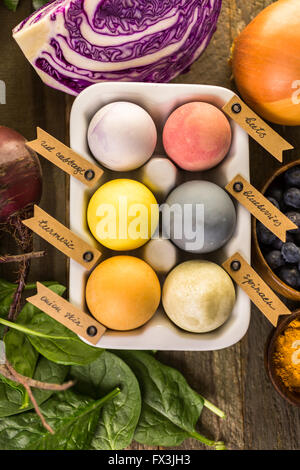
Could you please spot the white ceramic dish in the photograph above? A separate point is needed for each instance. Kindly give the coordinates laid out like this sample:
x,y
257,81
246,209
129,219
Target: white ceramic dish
x,y
160,100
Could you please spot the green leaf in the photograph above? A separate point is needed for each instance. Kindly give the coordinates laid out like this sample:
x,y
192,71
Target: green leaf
x,y
11,399
19,351
52,339
7,290
119,417
170,409
22,356
11,4
72,417
6,287
155,429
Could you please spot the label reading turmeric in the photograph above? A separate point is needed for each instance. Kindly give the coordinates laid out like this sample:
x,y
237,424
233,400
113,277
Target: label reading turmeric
x,y
62,238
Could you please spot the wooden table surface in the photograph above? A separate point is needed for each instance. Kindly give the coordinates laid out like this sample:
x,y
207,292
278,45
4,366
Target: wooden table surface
x,y
234,378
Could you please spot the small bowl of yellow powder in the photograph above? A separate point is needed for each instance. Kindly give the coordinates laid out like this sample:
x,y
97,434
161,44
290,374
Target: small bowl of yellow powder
x,y
283,358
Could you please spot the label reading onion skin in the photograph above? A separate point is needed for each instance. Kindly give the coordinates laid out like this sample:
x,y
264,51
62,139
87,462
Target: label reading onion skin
x,y
62,238
256,289
66,314
260,207
237,110
65,158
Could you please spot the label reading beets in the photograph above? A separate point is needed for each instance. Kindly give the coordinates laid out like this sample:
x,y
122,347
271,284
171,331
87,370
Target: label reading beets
x,y
237,110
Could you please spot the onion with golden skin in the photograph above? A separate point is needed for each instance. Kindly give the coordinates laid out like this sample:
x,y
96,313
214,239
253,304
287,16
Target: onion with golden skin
x,y
266,63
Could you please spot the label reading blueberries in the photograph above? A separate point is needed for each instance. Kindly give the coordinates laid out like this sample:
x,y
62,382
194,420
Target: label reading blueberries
x,y
256,289
62,238
65,158
256,127
260,207
65,313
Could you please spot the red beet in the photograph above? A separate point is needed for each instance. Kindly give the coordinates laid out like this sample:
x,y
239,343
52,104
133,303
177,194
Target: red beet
x,y
20,175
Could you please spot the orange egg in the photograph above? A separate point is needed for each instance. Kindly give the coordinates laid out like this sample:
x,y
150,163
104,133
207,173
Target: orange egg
x,y
123,293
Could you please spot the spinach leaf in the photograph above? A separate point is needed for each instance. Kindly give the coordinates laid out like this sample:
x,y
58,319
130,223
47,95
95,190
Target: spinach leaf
x,y
119,417
46,371
73,418
155,429
22,356
19,351
170,408
52,339
7,290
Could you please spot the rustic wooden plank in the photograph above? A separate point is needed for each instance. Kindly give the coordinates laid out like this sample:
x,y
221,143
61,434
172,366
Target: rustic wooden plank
x,y
233,378
217,375
30,104
269,422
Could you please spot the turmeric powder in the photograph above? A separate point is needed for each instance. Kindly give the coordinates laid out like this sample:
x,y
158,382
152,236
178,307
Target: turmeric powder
x,y
287,356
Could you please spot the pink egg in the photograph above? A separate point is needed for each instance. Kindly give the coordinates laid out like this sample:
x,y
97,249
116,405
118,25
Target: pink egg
x,y
197,136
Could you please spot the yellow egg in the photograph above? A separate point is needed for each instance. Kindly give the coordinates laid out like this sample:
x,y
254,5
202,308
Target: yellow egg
x,y
123,292
123,214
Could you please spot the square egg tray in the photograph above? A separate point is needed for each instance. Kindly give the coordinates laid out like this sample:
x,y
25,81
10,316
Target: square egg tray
x,y
159,100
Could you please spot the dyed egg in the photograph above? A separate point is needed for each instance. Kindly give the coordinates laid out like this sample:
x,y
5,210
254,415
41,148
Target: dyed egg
x,y
199,217
122,136
161,254
198,296
197,136
123,293
160,175
123,214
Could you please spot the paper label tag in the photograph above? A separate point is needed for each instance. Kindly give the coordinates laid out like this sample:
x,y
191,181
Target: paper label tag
x,y
237,110
62,238
65,158
64,312
258,291
260,207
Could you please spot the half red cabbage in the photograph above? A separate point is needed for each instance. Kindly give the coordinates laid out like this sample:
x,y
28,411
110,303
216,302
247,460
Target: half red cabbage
x,y
73,44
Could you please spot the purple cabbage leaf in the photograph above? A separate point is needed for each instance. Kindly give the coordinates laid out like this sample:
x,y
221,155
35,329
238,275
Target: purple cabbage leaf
x,y
73,44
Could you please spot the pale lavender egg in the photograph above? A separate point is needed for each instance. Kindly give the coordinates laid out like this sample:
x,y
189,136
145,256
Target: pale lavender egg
x,y
122,136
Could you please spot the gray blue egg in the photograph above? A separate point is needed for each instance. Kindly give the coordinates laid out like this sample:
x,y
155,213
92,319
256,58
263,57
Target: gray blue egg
x,y
199,217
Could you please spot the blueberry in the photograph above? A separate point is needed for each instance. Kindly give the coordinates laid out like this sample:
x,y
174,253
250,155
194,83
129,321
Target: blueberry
x,y
290,276
275,192
264,235
292,176
294,217
274,202
277,244
291,197
290,253
275,259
